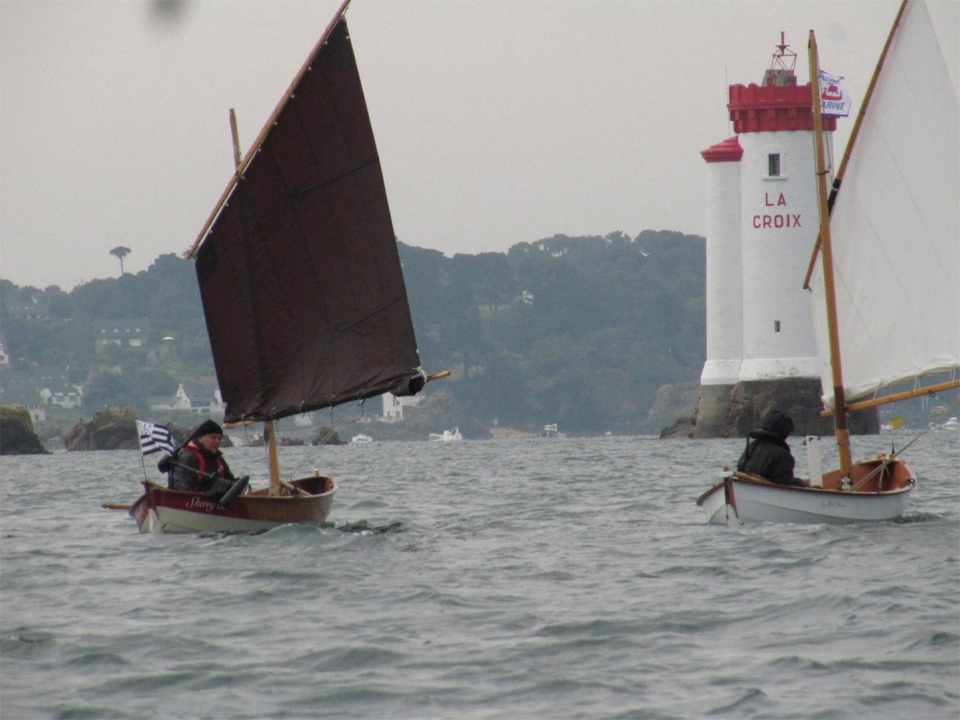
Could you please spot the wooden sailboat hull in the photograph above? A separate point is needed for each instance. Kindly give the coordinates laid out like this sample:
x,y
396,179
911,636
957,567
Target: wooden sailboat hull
x,y
161,510
882,490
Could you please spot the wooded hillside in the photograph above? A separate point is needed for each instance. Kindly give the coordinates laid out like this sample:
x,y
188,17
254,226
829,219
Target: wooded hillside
x,y
581,332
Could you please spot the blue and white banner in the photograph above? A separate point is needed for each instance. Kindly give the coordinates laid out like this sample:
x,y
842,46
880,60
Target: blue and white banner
x,y
833,96
154,438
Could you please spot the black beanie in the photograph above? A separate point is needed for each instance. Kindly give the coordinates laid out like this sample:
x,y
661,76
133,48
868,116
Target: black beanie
x,y
778,424
208,427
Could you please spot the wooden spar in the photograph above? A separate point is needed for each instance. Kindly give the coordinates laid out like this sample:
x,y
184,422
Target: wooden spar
x,y
269,436
840,411
897,397
273,459
854,133
241,166
236,140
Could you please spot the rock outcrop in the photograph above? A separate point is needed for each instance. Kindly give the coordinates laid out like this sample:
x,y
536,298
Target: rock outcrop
x,y
328,436
799,399
683,428
675,404
110,429
16,432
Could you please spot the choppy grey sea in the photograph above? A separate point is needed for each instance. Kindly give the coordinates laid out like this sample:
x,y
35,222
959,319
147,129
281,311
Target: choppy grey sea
x,y
548,578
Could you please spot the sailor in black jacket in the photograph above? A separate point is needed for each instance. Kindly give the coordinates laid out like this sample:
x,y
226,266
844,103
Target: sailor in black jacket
x,y
767,453
200,461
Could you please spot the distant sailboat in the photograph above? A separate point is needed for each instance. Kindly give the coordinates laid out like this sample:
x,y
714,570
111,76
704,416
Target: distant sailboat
x,y
302,288
886,279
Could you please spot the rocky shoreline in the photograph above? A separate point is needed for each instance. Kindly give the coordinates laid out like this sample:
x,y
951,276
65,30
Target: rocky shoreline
x,y
16,432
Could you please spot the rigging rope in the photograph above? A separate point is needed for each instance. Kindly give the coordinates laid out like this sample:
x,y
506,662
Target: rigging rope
x,y
896,452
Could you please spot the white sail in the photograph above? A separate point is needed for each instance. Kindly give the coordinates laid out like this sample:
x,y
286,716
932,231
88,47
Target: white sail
x,y
896,222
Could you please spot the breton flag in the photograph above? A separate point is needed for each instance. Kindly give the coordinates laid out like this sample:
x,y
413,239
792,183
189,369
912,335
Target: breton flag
x,y
833,97
154,438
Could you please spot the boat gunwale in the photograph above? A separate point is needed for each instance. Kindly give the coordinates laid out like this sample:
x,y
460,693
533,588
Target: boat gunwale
x,y
748,479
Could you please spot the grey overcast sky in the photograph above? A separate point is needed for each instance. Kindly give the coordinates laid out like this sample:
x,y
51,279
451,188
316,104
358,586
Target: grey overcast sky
x,y
498,121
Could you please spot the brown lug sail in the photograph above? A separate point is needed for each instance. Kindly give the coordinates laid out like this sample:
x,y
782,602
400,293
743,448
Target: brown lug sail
x,y
299,274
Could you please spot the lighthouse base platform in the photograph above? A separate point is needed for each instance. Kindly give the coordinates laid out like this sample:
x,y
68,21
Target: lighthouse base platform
x,y
732,411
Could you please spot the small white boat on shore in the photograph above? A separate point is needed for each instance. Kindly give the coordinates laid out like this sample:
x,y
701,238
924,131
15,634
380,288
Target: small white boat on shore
x,y
551,431
447,436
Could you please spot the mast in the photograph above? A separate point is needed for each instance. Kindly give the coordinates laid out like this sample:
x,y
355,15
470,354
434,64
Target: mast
x,y
840,410
853,135
269,436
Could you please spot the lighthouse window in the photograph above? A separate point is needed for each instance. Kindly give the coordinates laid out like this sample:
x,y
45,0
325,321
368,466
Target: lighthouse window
x,y
773,165
776,326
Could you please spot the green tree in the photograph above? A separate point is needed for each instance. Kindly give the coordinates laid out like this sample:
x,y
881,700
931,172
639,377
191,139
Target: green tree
x,y
153,381
120,252
113,390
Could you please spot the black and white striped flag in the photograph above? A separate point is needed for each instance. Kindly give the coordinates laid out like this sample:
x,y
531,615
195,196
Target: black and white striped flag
x,y
154,438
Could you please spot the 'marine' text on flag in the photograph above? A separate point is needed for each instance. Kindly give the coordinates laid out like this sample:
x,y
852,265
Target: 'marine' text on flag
x,y
833,96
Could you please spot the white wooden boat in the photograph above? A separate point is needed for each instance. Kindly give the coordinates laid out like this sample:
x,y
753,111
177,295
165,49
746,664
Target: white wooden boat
x,y
883,487
885,276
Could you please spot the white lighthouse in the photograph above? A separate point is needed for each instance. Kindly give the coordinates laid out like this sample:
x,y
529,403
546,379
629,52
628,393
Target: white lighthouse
x,y
762,223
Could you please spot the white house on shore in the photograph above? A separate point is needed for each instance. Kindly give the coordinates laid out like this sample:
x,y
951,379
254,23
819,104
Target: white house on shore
x,y
121,333
39,389
393,406
191,397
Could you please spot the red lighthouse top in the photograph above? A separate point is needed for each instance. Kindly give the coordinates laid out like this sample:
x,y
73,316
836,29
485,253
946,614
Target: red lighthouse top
x,y
727,151
779,103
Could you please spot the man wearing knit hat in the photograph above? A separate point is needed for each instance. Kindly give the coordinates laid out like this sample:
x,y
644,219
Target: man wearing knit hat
x,y
200,462
767,453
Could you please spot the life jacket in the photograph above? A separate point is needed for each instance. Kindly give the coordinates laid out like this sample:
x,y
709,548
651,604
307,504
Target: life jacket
x,y
202,462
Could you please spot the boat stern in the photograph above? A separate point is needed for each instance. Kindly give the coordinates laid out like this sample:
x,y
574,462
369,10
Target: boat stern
x,y
719,504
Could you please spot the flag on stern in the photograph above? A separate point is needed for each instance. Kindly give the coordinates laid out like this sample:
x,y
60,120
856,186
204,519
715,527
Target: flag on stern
x,y
154,438
834,99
